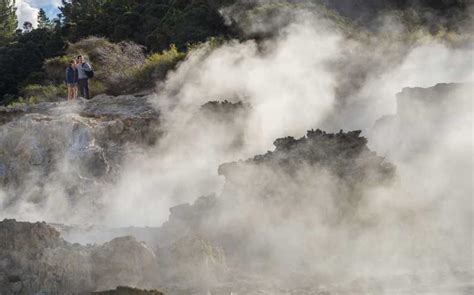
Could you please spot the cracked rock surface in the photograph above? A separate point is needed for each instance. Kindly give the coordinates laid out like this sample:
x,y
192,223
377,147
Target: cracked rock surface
x,y
34,258
73,145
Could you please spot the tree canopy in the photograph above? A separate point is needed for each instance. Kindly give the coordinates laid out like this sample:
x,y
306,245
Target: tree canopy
x,y
8,21
43,21
155,24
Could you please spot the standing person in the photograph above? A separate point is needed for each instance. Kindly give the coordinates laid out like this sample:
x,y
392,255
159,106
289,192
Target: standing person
x,y
71,80
85,72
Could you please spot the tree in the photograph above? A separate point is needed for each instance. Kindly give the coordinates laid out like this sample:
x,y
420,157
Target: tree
x,y
27,27
153,23
8,21
43,21
21,61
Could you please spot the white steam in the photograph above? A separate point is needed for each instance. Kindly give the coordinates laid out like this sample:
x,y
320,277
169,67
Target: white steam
x,y
311,75
290,83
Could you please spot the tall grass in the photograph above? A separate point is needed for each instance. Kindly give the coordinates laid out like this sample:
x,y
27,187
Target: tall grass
x,y
35,93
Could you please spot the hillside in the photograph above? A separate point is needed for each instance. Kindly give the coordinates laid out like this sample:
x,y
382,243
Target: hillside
x,y
238,147
158,25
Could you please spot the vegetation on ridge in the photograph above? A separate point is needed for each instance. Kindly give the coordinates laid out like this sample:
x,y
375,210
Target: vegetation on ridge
x,y
28,54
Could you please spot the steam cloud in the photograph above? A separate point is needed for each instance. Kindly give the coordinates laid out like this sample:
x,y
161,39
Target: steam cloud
x,y
310,74
291,82
300,79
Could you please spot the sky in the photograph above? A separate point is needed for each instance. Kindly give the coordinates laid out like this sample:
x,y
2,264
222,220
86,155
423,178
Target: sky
x,y
27,10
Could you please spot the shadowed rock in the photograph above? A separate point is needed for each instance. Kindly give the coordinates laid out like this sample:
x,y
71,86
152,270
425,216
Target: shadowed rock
x,y
127,291
34,258
72,145
225,120
441,109
345,155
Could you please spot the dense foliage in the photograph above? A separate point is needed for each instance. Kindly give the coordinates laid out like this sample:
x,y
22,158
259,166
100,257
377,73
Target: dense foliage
x,y
156,25
21,61
8,21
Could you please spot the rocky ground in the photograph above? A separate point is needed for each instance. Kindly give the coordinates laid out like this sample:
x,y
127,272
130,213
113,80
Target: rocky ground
x,y
189,252
92,133
295,220
36,260
70,147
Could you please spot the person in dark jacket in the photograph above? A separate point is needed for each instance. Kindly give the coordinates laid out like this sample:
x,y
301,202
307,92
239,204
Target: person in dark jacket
x,y
71,80
83,79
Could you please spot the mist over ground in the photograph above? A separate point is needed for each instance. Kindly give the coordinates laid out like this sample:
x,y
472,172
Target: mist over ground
x,y
387,210
310,75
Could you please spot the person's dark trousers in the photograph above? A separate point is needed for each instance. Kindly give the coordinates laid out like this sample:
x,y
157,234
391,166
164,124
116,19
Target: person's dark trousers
x,y
83,85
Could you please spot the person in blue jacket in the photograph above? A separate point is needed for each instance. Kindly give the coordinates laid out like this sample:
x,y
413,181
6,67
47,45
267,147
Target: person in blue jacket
x,y
71,80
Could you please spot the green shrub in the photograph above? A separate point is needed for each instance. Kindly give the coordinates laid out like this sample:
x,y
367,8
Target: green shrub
x,y
35,93
56,68
17,102
155,68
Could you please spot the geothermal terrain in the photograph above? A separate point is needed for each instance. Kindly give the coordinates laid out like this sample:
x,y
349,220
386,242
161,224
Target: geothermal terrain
x,y
307,158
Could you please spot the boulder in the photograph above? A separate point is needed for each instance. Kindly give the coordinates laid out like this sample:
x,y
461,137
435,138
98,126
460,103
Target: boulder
x,y
434,110
74,145
35,259
344,155
123,261
194,262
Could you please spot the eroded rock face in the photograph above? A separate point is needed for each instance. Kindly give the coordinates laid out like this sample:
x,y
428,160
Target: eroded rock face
x,y
345,155
225,110
124,261
192,263
275,206
280,220
186,219
434,111
70,147
284,218
222,243
225,120
34,258
321,172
